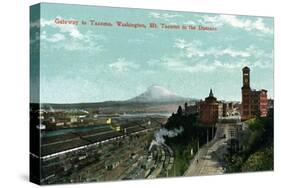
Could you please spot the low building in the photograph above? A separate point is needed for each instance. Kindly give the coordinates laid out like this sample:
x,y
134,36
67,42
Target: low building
x,y
227,109
270,103
73,119
191,109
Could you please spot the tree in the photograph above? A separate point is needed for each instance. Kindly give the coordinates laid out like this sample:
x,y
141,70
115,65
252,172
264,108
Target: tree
x,y
259,161
179,112
185,108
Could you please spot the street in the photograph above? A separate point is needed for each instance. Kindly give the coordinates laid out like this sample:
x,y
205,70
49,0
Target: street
x,y
206,162
209,159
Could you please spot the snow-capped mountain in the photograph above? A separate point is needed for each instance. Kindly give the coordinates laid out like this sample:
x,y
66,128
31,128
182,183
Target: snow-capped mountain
x,y
157,93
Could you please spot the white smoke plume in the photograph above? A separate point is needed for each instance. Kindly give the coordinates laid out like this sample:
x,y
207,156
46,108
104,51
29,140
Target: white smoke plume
x,y
153,143
159,135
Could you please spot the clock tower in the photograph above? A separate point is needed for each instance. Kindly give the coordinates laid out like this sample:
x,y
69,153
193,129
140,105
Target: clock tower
x,y
246,94
246,77
254,102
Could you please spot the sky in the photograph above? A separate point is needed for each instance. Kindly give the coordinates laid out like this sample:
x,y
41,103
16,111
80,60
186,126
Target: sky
x,y
84,63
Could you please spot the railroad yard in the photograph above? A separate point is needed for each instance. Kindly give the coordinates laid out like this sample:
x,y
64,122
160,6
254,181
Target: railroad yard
x,y
111,151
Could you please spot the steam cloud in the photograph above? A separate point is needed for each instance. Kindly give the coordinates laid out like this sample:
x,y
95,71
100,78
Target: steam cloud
x,y
159,136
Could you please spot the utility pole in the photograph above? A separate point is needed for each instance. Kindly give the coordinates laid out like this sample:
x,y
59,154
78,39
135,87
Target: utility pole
x,y
207,136
198,147
213,131
174,169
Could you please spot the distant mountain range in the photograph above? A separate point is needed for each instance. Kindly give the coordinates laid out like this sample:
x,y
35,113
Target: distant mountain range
x,y
158,94
154,94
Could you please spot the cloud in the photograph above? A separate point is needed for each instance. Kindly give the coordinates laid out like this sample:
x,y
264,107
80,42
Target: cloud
x,y
163,16
70,29
194,49
189,22
247,24
54,38
35,24
67,36
181,65
122,65
192,57
152,62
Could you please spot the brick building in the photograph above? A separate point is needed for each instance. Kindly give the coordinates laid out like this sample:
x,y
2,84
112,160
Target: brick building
x,y
209,110
227,109
253,102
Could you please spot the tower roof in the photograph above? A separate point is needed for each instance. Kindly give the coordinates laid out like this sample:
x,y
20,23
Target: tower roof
x,y
211,93
246,68
211,97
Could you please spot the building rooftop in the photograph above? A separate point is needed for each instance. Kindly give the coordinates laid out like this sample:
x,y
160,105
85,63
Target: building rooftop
x,y
211,97
246,68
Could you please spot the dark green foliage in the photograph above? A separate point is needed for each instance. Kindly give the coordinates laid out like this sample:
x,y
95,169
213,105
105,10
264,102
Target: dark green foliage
x,y
179,112
187,141
257,154
191,133
235,162
261,160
